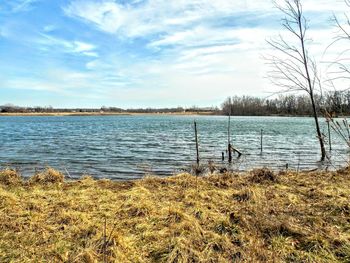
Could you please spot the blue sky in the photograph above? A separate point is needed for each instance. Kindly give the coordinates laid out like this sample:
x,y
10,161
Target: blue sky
x,y
155,53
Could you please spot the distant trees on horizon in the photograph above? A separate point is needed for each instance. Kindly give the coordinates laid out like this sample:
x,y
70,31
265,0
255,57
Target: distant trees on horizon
x,y
334,102
10,108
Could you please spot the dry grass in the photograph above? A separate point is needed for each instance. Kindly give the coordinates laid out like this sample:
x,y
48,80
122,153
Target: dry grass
x,y
49,176
10,177
252,217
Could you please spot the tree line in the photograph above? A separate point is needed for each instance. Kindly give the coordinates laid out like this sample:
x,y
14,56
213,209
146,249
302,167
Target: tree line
x,y
10,108
336,103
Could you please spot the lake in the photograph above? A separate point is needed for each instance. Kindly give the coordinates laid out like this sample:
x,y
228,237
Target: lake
x,y
128,147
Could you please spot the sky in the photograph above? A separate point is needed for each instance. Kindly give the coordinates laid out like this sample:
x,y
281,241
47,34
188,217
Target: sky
x,y
144,53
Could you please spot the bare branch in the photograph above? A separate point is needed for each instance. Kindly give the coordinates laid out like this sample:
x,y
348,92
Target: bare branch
x,y
343,34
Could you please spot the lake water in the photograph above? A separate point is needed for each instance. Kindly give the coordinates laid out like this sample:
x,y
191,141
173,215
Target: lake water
x,y
128,147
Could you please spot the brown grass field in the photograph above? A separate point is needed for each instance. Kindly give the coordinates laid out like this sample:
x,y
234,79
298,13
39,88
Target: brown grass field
x,y
257,216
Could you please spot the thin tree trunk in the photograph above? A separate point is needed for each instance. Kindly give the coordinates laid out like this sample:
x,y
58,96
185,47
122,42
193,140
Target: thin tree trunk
x,y
318,130
311,88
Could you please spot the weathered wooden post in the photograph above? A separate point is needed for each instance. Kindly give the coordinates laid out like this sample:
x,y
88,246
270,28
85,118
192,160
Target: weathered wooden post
x,y
229,153
261,140
196,135
229,139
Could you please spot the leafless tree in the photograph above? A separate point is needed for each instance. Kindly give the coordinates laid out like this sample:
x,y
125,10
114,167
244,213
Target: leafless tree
x,y
292,67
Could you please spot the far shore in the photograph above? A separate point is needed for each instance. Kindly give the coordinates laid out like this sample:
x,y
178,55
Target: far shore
x,y
192,113
102,113
126,113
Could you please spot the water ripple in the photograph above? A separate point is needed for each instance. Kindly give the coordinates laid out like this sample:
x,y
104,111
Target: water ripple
x,y
128,147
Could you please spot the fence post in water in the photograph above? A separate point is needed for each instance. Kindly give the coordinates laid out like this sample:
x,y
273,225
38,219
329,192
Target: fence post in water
x,y
229,148
261,140
329,136
229,153
196,135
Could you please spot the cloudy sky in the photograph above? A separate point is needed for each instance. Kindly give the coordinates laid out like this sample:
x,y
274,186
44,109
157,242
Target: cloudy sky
x,y
142,53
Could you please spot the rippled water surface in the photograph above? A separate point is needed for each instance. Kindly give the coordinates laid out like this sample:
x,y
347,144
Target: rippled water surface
x,y
127,147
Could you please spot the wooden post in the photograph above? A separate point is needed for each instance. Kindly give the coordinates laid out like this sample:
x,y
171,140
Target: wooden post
x,y
298,163
196,135
229,130
329,136
261,140
229,153
229,139
222,156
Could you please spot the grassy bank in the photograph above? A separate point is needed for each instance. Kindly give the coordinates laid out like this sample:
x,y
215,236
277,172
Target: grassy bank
x,y
252,217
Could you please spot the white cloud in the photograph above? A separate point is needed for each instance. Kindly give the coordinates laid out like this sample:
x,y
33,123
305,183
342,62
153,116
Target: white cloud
x,y
81,46
73,47
15,6
161,16
23,5
30,84
107,15
207,47
153,16
324,5
58,80
49,28
91,54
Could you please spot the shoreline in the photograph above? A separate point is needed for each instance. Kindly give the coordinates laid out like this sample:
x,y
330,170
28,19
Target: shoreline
x,y
107,114
82,114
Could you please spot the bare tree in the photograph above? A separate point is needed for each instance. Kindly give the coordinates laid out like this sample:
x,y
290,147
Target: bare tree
x,y
292,68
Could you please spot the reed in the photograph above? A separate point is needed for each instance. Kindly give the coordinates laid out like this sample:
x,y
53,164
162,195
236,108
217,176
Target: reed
x,y
340,127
